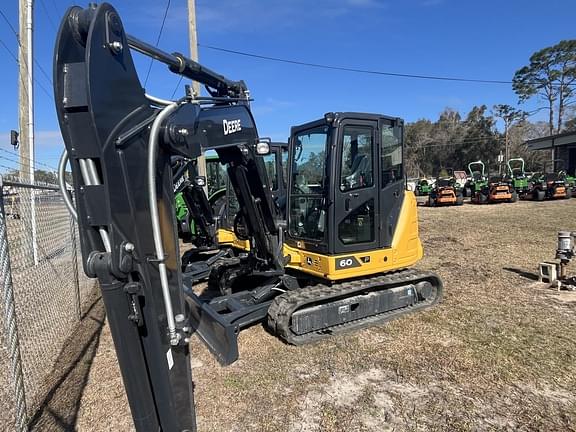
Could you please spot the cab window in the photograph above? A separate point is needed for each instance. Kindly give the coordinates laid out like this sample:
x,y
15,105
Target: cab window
x,y
270,163
356,170
391,154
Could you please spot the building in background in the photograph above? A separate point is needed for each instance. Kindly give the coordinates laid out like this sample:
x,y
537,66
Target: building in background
x,y
563,146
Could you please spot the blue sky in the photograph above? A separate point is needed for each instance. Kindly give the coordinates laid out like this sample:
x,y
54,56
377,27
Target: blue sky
x,y
481,39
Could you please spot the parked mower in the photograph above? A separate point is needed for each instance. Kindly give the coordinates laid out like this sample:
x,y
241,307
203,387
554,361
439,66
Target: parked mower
x,y
446,190
571,180
518,176
549,184
423,187
489,189
476,179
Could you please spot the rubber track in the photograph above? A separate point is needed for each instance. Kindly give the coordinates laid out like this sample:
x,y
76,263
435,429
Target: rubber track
x,y
283,306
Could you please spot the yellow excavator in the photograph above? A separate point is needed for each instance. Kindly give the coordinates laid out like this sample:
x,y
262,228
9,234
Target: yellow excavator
x,y
341,259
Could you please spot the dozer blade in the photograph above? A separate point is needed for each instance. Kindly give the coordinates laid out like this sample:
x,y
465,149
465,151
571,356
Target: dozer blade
x,y
312,313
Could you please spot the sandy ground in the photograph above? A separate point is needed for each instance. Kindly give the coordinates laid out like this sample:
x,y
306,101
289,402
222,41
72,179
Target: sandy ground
x,y
499,352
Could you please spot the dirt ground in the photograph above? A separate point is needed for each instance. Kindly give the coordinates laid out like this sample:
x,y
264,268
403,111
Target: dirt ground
x,y
499,352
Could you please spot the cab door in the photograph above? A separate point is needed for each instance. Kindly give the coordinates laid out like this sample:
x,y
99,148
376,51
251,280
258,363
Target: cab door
x,y
392,183
356,197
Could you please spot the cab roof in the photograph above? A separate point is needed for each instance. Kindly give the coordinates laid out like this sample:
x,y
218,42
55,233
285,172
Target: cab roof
x,y
340,116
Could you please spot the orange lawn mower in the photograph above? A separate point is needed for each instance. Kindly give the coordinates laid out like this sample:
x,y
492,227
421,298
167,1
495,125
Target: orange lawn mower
x,y
490,189
446,191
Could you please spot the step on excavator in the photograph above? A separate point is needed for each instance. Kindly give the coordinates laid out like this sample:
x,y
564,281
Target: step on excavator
x,y
341,260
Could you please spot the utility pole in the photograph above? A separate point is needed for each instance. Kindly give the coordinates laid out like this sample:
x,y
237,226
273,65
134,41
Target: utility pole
x,y
26,92
26,115
201,161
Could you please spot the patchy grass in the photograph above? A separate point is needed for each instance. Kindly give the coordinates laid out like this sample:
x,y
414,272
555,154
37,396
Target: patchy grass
x,y
499,352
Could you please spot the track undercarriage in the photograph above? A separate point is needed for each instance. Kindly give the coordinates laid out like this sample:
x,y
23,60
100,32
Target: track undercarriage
x,y
312,313
300,315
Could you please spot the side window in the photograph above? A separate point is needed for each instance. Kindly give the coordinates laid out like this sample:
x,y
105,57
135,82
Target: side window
x,y
231,202
270,163
391,154
215,175
284,167
356,170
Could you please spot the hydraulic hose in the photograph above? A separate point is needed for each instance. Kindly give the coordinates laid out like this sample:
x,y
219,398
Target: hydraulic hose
x,y
154,216
157,100
62,184
90,177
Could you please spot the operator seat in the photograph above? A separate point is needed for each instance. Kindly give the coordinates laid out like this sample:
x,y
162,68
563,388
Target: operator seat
x,y
360,167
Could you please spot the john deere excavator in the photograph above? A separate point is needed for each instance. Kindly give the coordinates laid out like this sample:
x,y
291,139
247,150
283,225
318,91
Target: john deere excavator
x,y
341,261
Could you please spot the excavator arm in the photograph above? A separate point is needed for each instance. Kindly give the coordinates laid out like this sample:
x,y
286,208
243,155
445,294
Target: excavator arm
x,y
119,142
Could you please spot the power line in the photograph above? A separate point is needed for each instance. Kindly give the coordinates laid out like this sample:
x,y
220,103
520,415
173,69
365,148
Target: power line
x,y
16,60
157,41
9,168
356,70
20,164
17,36
9,23
48,15
9,50
348,69
177,85
465,141
30,159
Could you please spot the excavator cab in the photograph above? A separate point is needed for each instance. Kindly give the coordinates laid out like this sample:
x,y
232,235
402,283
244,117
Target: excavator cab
x,y
348,211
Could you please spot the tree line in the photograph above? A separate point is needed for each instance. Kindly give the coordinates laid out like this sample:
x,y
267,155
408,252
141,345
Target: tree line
x,y
454,140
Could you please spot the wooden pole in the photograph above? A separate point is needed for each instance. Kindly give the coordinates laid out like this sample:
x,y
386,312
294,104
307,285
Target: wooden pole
x,y
201,161
26,118
26,92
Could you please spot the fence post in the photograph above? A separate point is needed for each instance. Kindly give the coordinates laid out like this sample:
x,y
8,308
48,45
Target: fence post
x,y
75,266
10,325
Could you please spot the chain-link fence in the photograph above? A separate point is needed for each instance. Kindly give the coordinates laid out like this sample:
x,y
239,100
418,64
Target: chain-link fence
x,y
44,293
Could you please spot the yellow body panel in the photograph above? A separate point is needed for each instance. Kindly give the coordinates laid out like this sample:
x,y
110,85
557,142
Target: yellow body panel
x,y
228,238
406,250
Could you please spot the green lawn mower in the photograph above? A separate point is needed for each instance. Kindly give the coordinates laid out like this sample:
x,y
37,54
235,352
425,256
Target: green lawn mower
x,y
484,189
517,175
549,183
477,179
423,187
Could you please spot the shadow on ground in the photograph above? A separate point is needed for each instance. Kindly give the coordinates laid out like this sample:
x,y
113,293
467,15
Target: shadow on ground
x,y
64,386
523,273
